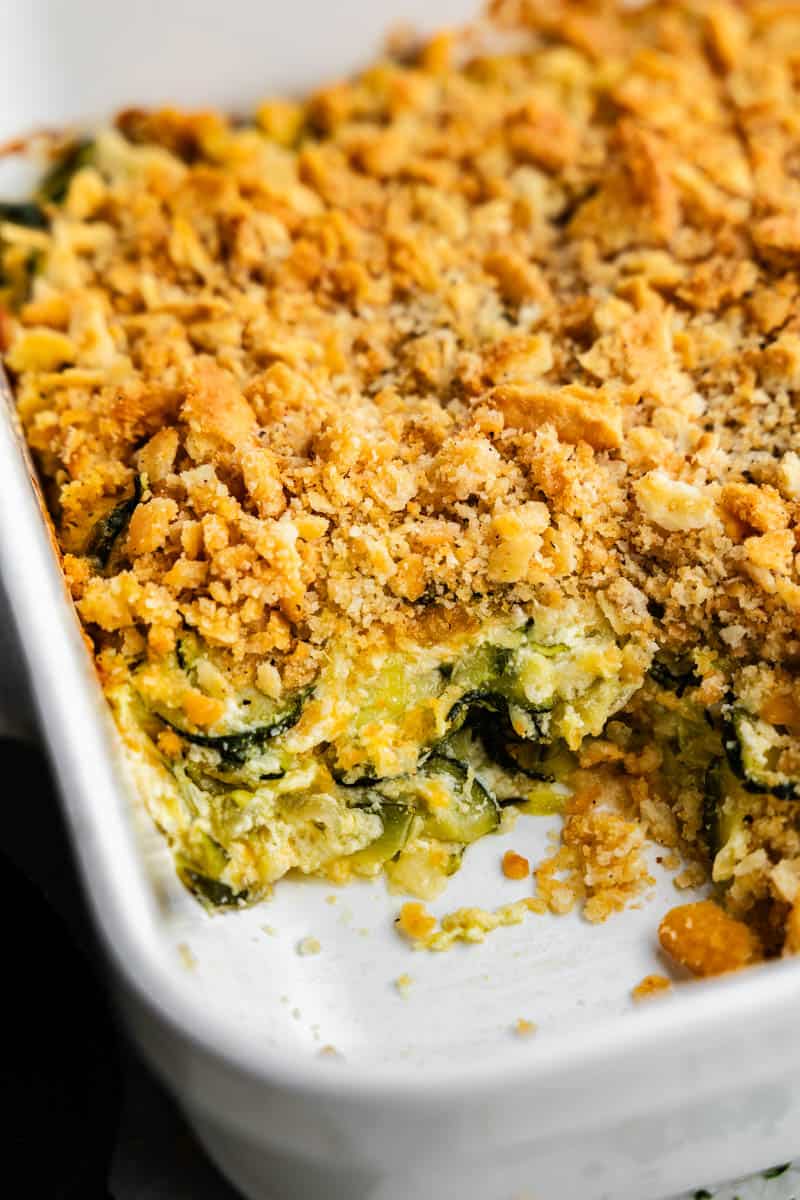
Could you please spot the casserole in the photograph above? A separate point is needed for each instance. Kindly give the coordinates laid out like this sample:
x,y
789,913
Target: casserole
x,y
365,1116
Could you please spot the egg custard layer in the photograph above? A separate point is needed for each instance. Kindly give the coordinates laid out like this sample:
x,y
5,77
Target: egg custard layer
x,y
428,447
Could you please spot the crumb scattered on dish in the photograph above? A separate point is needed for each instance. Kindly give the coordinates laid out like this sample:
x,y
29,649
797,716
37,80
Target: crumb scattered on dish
x,y
403,984
515,866
462,925
651,985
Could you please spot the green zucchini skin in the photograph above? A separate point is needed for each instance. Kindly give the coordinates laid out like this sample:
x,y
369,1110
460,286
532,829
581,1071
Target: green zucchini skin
x,y
199,873
28,214
55,184
734,732
218,781
213,891
487,701
475,812
673,677
713,796
235,748
396,820
500,742
110,528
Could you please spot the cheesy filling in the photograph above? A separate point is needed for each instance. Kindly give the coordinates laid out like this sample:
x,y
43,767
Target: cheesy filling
x,y
403,754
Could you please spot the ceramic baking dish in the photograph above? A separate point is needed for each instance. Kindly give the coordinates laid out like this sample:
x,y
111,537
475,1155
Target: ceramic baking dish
x,y
315,1075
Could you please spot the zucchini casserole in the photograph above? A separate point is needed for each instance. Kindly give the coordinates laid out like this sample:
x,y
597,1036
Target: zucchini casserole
x,y
428,448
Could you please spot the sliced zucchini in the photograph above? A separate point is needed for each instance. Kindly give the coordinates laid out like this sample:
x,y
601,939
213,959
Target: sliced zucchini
x,y
236,748
27,213
454,804
215,893
755,750
674,674
486,701
713,797
397,820
109,528
515,755
55,185
200,873
493,685
226,778
251,722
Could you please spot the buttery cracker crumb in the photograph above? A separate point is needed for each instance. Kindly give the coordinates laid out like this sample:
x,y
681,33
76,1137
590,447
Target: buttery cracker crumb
x,y
524,1028
415,922
308,946
515,866
704,938
651,985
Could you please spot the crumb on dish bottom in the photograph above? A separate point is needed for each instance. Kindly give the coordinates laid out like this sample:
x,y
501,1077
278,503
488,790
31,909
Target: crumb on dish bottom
x,y
598,864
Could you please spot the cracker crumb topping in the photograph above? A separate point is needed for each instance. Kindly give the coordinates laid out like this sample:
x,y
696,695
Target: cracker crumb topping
x,y
473,327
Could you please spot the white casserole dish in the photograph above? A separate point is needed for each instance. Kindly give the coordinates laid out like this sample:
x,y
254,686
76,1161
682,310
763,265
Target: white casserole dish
x,y
430,1094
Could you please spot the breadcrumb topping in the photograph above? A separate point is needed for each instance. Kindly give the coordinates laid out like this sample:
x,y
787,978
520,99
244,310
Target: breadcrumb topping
x,y
469,328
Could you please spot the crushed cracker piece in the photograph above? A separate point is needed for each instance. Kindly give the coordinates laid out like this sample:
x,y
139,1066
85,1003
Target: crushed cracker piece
x,y
704,938
651,985
515,866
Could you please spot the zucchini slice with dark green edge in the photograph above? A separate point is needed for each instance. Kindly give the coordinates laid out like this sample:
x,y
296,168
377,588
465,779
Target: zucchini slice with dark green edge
x,y
454,804
713,797
236,748
215,893
491,676
674,675
396,820
110,528
525,720
54,186
753,748
200,874
728,805
225,778
515,755
26,213
256,721
472,811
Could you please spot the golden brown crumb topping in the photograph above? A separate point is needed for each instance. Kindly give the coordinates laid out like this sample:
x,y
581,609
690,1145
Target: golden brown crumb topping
x,y
477,327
